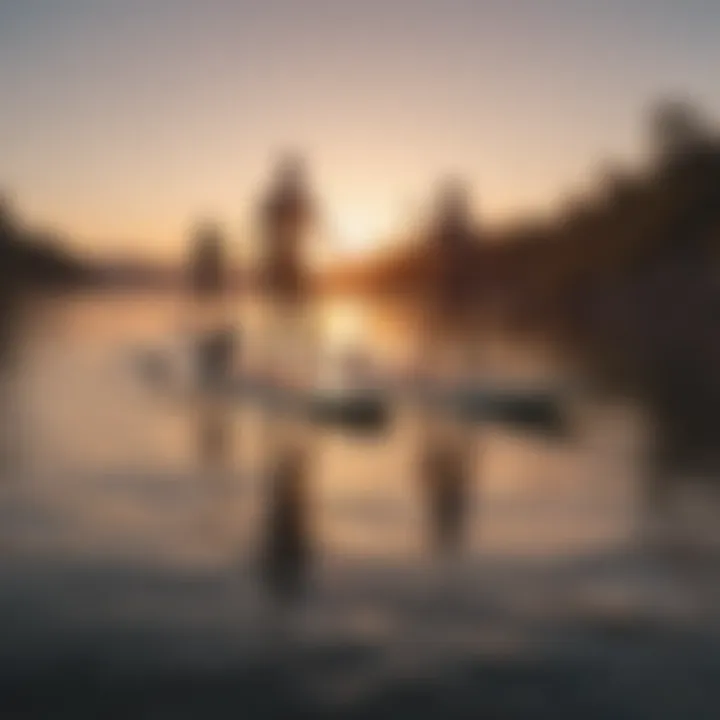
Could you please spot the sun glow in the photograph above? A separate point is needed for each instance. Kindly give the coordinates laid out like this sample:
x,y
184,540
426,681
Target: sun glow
x,y
358,232
343,324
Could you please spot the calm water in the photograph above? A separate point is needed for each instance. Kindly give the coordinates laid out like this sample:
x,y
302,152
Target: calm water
x,y
114,463
111,523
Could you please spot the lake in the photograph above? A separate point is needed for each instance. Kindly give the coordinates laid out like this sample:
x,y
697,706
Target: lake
x,y
129,560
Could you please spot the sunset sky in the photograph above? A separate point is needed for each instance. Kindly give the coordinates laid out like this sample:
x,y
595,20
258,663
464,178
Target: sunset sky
x,y
125,120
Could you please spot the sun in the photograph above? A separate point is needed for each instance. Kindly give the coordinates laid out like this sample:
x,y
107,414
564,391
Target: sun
x,y
358,232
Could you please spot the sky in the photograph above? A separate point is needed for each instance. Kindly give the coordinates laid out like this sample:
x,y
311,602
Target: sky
x,y
123,122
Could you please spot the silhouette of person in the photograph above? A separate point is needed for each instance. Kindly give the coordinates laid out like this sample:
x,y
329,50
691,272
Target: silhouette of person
x,y
286,550
207,262
286,215
214,343
451,237
447,308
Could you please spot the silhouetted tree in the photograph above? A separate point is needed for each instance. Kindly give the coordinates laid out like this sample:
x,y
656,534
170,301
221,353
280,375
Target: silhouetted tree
x,y
676,128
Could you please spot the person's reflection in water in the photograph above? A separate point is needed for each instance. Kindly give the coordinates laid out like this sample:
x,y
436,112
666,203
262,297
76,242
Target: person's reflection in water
x,y
216,353
213,436
12,316
218,507
286,549
446,471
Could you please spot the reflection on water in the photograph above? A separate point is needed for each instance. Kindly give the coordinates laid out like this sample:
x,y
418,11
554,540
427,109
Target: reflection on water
x,y
92,412
287,544
117,519
446,472
214,434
